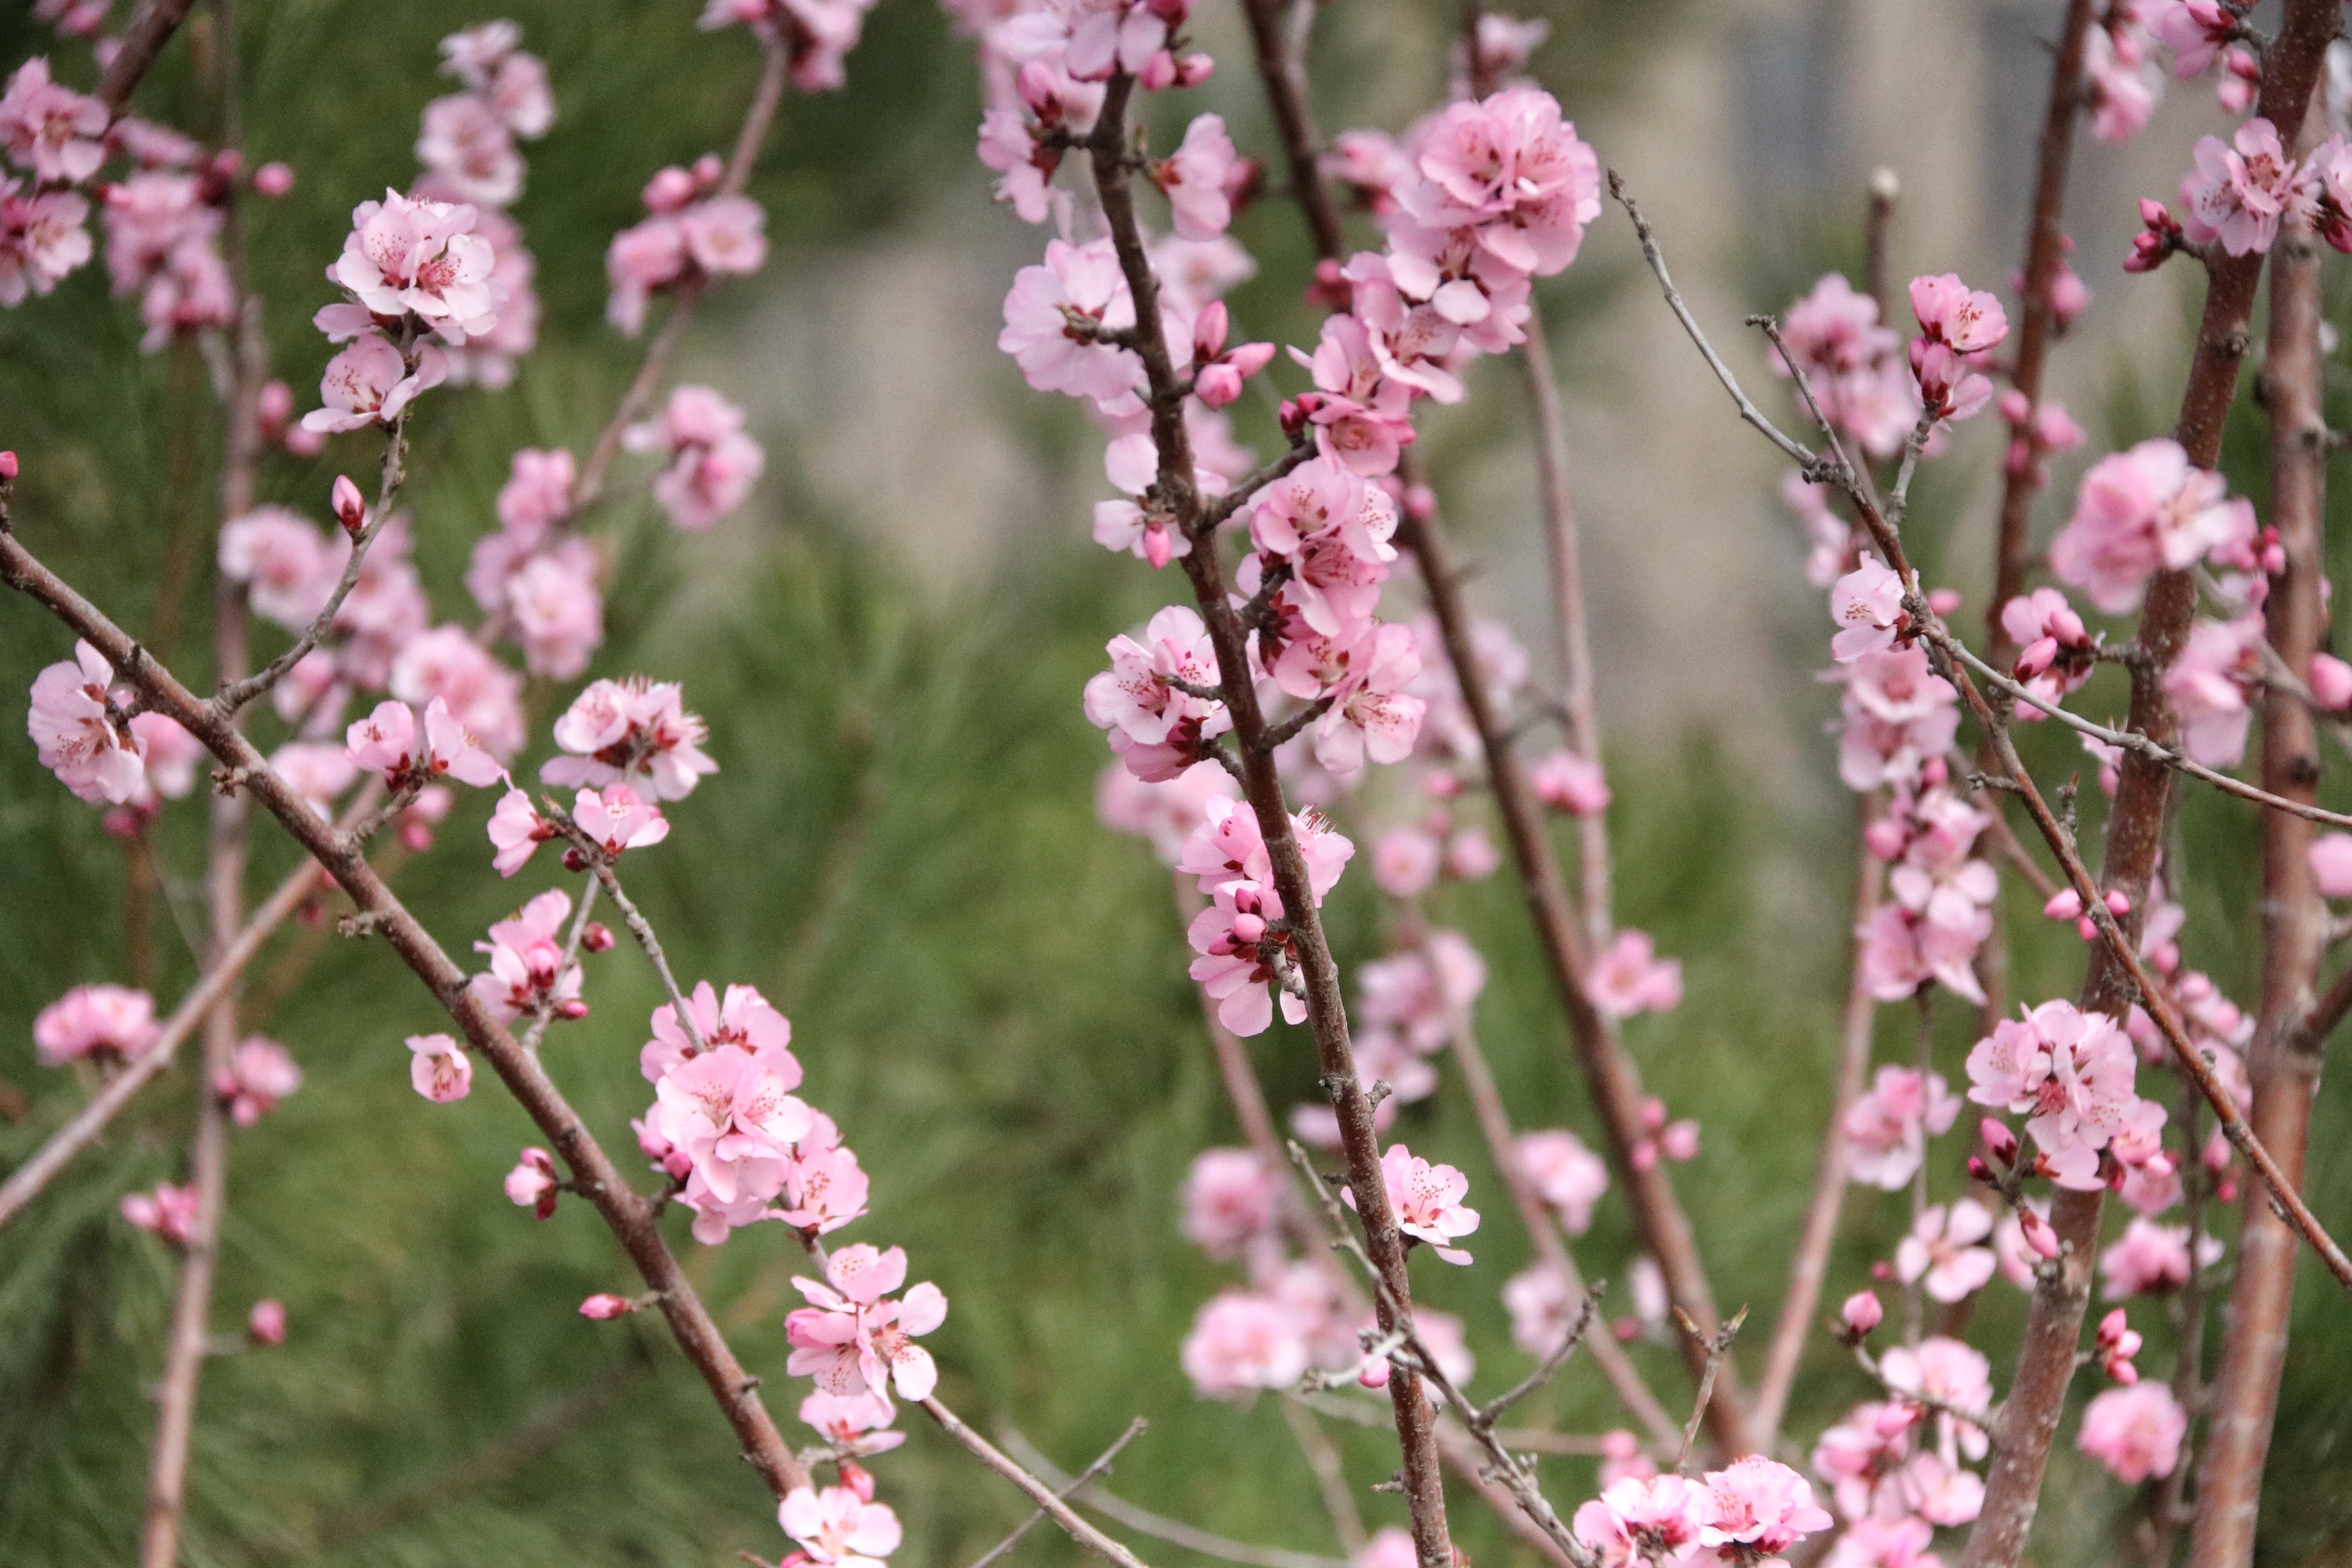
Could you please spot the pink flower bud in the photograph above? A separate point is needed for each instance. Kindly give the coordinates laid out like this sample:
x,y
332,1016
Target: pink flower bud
x,y
2037,1233
1885,839
2065,906
2015,407
1217,386
2035,659
1643,1156
303,441
7,467
1679,1142
1194,69
1653,1113
708,171
2124,1373
1881,1272
597,937
277,406
1159,73
1373,1372
1861,1313
266,1324
1626,1328
603,1307
1034,83
2153,214
669,190
1249,929
2087,929
2218,1152
1944,601
2331,682
350,507
1978,1171
272,180
2118,903
1420,504
573,1010
1209,328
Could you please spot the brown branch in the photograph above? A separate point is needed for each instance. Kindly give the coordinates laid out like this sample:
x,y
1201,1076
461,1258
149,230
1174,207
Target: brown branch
x,y
1716,1346
2286,1057
151,26
1819,1229
1611,1079
630,1217
26,1182
1174,1531
2043,257
987,1453
1101,1467
1285,76
1326,1014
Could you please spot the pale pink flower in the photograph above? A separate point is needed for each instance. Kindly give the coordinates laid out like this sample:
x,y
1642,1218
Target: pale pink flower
x,y
2123,84
559,615
1566,782
2209,684
482,694
641,259
318,771
1424,992
617,819
370,383
1158,728
531,1184
1957,326
853,1423
1405,861
49,128
838,1527
1867,602
1230,1200
1242,1341
2057,654
171,754
107,1025
726,235
854,1338
732,1115
1569,1176
406,256
633,729
1370,166
1898,713
469,146
1955,1374
1543,1308
1887,1127
1372,716
2240,188
1238,964
1942,1250
1228,846
1639,1521
1873,1542
1512,171
2135,1432
516,831
537,494
2195,30
1835,330
2152,1256
742,1019
78,732
825,1188
289,566
259,1074
42,238
712,463
527,969
2331,865
2073,1070
1195,179
168,1211
440,1068
1757,1506
1008,146
1628,977
1080,283
1164,813
1427,1200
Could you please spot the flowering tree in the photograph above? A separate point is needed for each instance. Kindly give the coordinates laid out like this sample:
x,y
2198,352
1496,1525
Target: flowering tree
x,y
1246,722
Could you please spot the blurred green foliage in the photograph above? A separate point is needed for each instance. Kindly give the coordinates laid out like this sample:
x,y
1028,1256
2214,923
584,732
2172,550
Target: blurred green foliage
x,y
987,989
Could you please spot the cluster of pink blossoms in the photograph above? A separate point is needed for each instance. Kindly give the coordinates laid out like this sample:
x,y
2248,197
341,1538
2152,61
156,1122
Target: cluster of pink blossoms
x,y
52,133
1940,910
1888,1126
104,1024
1751,1512
2071,1072
1898,1473
692,234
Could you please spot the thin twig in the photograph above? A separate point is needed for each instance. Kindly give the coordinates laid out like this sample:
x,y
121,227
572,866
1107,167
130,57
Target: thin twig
x,y
1101,1467
543,1009
1170,1531
987,1453
1718,1345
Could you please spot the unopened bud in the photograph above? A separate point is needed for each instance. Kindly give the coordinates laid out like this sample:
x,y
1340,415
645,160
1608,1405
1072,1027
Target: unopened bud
x,y
1999,1141
266,1324
604,1306
708,171
1861,1313
2087,929
597,937
350,507
7,467
573,860
1881,1272
1978,1171
2065,905
2037,1233
575,1009
2118,903
1194,69
1654,1112
1159,73
857,1479
272,180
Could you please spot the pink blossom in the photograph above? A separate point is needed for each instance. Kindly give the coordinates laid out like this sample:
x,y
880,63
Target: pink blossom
x,y
1957,326
1009,146
468,145
1955,1374
369,384
1898,713
2135,1432
266,1323
732,1114
51,129
482,694
1075,284
1242,1341
319,771
712,464
1887,1127
618,819
825,1188
1427,1200
1758,1506
853,1338
1643,1521
1903,950
1513,171
168,1211
1228,845
1195,178
742,1018
440,1068
726,235
1155,725
531,1184
2195,30
171,754
537,494
636,728
559,615
1405,861
1567,781
1370,166
641,259
1543,1308
1241,968
107,1025
2122,81
1627,977
516,831
80,735
289,566
407,256
1873,1542
2073,1070
1163,812
2242,188
1231,1200
1372,715
1424,992
260,1073
2210,685
2056,654
526,970
2330,857
2143,512
41,240
2152,1256
1867,602
838,1527
1860,1314
1569,1176
1942,1250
